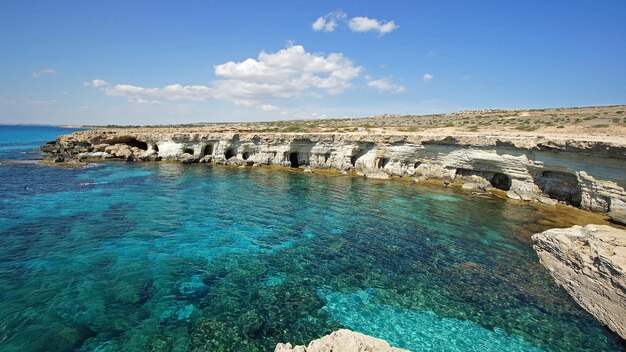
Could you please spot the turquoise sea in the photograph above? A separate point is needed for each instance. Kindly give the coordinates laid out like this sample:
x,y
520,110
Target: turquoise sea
x,y
167,257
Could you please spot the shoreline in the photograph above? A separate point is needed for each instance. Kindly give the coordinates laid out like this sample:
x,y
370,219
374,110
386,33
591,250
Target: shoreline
x,y
553,216
585,172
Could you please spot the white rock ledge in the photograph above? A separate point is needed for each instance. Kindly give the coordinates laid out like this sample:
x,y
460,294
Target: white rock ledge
x,y
590,263
342,341
585,174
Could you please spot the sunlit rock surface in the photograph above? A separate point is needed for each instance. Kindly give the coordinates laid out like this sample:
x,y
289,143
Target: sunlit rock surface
x,y
586,174
342,341
590,263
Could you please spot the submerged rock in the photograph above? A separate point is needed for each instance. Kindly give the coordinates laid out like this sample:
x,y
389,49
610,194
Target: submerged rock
x,y
193,288
474,186
342,341
590,263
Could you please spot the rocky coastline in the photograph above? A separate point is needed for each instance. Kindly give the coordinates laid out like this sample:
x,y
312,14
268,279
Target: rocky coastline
x,y
584,173
590,264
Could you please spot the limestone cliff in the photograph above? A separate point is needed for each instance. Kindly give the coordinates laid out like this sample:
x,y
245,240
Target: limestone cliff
x,y
590,263
589,174
342,341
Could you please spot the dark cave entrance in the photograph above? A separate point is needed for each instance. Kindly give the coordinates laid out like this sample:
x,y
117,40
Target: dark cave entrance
x,y
188,151
135,143
207,150
293,159
562,186
501,181
245,155
230,153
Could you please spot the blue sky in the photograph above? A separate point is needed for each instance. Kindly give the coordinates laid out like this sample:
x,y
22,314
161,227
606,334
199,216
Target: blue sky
x,y
141,62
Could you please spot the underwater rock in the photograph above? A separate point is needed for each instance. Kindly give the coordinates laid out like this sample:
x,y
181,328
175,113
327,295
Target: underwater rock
x,y
342,341
590,263
474,186
193,288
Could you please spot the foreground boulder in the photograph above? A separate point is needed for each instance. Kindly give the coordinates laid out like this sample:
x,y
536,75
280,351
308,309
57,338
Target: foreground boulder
x,y
590,263
342,341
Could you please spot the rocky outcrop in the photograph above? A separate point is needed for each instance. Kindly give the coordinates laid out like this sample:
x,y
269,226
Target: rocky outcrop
x,y
590,263
586,174
342,341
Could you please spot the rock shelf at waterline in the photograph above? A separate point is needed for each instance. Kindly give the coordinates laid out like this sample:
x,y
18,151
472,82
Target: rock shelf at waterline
x,y
584,172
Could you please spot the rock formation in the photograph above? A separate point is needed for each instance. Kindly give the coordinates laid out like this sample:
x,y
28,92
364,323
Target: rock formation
x,y
584,173
590,263
342,341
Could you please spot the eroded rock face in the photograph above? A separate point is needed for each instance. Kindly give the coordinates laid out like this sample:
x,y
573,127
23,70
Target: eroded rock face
x,y
342,341
590,263
589,175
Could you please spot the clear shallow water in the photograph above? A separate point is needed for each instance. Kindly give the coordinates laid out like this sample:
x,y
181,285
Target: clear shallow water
x,y
162,257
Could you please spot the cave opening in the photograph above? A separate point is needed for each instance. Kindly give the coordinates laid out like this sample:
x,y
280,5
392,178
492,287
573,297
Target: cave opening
x,y
155,147
501,181
207,150
326,157
353,160
359,153
382,163
562,186
245,155
230,153
293,159
188,150
136,143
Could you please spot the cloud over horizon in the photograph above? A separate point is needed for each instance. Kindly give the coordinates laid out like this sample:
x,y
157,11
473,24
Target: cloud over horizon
x,y
385,84
288,73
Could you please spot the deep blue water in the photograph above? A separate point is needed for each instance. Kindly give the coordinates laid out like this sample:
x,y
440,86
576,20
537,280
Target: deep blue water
x,y
24,142
168,257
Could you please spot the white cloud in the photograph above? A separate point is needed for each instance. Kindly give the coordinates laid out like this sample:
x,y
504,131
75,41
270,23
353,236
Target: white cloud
x,y
365,24
98,83
385,85
45,71
329,22
145,101
269,107
173,92
427,77
285,74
